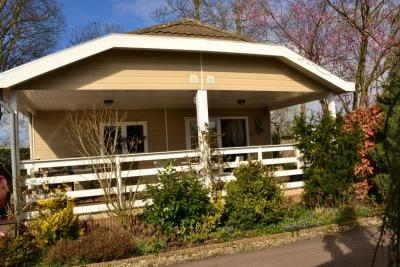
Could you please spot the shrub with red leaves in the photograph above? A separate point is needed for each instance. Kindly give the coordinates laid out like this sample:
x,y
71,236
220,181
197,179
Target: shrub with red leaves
x,y
366,120
360,190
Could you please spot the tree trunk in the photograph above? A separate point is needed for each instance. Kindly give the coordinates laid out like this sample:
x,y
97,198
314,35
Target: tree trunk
x,y
303,108
360,79
360,89
196,4
237,9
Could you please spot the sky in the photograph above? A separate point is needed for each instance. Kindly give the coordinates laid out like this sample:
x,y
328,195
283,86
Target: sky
x,y
130,14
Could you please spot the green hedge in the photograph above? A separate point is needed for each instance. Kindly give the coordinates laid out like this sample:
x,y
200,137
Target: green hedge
x,y
254,198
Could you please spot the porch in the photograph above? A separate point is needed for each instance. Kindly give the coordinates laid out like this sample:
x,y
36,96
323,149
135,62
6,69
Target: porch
x,y
74,172
167,122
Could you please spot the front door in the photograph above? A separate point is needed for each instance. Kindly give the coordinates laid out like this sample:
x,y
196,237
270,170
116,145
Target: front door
x,y
130,138
233,132
135,138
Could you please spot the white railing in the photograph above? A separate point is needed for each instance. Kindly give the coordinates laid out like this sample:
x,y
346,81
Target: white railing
x,y
36,168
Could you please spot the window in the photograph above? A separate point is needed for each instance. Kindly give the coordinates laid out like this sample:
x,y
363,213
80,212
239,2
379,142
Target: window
x,y
130,138
192,134
230,131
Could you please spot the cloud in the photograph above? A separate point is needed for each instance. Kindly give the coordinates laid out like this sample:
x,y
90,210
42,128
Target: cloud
x,y
136,9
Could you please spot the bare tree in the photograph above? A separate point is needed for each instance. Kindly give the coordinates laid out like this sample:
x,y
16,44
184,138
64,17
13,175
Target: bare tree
x,y
233,15
5,130
282,122
177,9
96,135
4,135
29,29
91,31
377,28
356,40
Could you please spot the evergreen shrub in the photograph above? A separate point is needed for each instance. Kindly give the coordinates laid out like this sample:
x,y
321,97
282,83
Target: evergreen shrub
x,y
329,155
254,198
180,198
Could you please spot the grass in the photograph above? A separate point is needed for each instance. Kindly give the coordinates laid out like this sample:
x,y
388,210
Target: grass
x,y
298,218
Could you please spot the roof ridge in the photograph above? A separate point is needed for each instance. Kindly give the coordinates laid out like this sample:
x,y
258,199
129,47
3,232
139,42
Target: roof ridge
x,y
240,36
159,27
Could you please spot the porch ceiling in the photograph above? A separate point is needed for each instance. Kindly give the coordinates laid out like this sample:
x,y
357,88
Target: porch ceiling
x,y
144,99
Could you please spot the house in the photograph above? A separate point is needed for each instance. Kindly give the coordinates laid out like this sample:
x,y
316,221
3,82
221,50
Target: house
x,y
169,78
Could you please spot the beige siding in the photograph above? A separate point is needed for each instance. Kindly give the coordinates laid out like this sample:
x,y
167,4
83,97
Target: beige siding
x,y
233,72
52,139
157,70
123,69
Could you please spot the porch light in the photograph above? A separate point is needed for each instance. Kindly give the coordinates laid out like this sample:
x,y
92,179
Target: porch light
x,y
108,102
241,102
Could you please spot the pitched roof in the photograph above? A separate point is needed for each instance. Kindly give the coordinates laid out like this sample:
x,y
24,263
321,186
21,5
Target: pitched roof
x,y
191,28
70,55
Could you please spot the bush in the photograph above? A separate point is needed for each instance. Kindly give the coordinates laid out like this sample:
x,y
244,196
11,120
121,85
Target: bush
x,y
388,163
99,244
202,230
382,181
23,250
179,199
365,120
330,156
254,198
55,219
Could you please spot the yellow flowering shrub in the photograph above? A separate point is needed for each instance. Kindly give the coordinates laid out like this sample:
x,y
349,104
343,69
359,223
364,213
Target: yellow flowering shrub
x,y
55,219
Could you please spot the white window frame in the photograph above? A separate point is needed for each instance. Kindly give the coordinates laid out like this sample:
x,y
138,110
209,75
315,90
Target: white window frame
x,y
123,126
218,119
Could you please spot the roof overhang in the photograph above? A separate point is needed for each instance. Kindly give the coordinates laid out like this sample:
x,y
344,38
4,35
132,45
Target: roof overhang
x,y
36,100
70,55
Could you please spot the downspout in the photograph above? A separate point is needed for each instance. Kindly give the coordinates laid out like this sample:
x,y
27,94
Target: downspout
x,y
166,127
14,148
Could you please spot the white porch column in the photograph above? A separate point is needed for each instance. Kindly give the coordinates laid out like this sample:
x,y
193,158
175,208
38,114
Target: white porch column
x,y
330,99
202,126
14,142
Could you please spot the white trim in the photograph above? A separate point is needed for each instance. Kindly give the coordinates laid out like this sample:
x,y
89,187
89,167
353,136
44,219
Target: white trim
x,y
218,120
146,172
201,72
67,56
30,132
181,154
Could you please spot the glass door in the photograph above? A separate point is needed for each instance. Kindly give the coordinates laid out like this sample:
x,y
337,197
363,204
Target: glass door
x,y
135,138
125,138
233,132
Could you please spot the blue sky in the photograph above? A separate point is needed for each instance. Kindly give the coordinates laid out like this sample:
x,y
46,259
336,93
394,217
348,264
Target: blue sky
x,y
131,14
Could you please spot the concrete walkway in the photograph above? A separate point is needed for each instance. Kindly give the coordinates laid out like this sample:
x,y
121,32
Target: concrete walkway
x,y
346,249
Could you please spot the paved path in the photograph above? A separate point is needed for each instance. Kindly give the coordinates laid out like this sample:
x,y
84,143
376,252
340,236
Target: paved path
x,y
347,249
